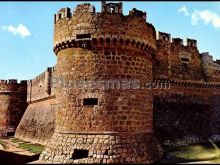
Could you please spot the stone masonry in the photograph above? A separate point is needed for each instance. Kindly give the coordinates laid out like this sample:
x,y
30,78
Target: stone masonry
x,y
90,124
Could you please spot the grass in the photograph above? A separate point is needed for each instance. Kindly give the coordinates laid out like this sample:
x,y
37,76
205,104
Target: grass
x,y
3,144
34,148
16,140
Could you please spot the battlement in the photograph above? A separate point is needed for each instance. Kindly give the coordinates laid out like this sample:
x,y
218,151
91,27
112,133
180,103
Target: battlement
x,y
84,8
177,41
63,13
138,13
13,86
13,81
166,38
191,42
88,26
111,7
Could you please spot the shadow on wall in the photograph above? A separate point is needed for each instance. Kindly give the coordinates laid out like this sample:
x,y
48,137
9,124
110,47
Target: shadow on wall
x,y
185,119
38,123
16,107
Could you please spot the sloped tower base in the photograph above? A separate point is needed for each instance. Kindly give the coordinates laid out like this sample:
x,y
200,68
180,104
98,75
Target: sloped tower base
x,y
101,148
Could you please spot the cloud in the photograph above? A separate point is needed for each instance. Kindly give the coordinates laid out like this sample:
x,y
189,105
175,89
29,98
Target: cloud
x,y
207,17
20,30
184,10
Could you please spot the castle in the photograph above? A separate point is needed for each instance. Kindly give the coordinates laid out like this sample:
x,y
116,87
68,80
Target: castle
x,y
99,125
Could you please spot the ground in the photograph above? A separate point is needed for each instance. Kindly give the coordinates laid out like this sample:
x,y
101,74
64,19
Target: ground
x,y
17,151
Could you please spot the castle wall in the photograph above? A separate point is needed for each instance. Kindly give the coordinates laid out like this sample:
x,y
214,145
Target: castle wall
x,y
176,60
117,124
40,87
12,105
186,114
38,123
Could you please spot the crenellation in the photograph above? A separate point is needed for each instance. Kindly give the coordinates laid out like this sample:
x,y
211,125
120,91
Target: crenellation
x,y
110,125
164,37
84,9
3,81
177,41
138,13
191,43
12,81
63,13
115,8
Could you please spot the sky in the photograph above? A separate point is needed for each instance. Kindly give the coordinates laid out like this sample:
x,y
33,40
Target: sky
x,y
26,30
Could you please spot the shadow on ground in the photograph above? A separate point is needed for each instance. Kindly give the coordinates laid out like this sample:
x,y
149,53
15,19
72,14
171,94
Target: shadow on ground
x,y
13,158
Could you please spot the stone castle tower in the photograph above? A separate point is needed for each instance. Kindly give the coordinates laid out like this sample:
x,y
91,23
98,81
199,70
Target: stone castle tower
x,y
13,97
95,110
103,125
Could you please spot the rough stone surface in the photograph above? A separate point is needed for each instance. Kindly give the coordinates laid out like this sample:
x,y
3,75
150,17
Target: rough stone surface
x,y
109,148
122,127
185,116
13,97
118,111
38,123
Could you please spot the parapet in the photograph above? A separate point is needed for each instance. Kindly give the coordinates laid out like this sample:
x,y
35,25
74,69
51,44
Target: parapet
x,y
13,86
84,8
86,29
178,41
191,42
13,82
165,37
111,7
80,9
138,13
63,13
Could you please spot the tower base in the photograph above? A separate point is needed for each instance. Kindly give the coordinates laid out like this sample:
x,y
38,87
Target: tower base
x,y
76,148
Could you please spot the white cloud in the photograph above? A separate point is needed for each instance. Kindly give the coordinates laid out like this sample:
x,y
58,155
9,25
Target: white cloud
x,y
184,10
19,30
207,17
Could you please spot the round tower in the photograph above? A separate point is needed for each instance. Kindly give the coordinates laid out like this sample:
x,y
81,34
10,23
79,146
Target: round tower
x,y
12,105
104,116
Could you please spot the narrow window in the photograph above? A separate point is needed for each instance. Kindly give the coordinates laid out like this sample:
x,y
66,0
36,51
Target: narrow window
x,y
80,154
184,59
90,101
81,36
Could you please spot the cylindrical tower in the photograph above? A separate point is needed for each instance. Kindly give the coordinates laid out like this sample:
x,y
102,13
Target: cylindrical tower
x,y
12,105
110,119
